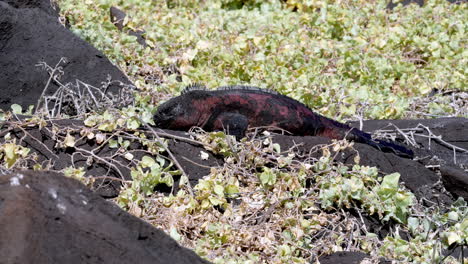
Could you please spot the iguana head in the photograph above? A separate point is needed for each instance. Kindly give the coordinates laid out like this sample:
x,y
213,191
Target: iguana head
x,y
168,112
177,113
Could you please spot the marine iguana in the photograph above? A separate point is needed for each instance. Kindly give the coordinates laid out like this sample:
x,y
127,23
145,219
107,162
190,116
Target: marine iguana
x,y
235,108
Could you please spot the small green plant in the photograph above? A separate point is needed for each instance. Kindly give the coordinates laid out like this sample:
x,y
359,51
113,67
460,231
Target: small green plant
x,y
11,153
218,143
343,186
145,177
431,232
78,174
18,110
128,118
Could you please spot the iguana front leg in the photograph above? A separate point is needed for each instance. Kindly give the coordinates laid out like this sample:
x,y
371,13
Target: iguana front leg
x,y
233,123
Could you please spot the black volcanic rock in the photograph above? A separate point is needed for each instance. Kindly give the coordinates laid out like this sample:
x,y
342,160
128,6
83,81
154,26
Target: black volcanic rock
x,y
46,217
29,35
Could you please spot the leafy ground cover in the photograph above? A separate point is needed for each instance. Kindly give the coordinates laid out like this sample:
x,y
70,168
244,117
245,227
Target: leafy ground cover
x,y
266,204
345,59
293,209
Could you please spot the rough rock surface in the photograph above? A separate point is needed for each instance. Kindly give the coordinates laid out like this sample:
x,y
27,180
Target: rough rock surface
x,y
441,143
30,33
455,180
453,131
45,5
48,218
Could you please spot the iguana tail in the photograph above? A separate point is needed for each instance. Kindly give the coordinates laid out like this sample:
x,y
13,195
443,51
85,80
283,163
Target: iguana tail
x,y
334,129
386,146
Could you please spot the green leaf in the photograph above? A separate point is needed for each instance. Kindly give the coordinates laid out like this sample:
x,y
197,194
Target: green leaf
x,y
147,117
147,162
16,109
284,250
128,156
451,237
90,121
183,180
174,234
215,200
390,182
453,216
231,189
133,123
413,224
277,147
219,190
69,141
113,143
125,144
168,180
267,177
10,153
30,110
107,126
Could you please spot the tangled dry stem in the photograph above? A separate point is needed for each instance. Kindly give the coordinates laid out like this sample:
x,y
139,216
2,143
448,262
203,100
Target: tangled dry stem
x,y
79,98
112,161
420,130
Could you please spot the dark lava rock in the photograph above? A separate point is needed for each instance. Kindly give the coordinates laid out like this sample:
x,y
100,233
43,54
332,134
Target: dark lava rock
x,y
441,142
117,17
46,217
455,181
45,5
346,257
189,157
42,141
453,130
29,35
414,174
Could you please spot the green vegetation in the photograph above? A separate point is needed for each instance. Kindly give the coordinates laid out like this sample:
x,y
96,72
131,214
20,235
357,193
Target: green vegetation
x,y
343,58
271,206
346,59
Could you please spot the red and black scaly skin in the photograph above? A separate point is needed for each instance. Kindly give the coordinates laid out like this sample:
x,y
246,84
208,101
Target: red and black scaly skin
x,y
235,108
